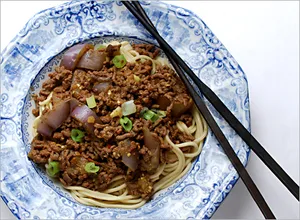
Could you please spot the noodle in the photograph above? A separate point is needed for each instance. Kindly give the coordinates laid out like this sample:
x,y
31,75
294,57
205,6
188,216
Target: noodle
x,y
46,104
116,196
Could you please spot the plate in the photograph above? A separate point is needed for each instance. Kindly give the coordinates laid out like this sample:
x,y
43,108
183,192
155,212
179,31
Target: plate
x,y
25,62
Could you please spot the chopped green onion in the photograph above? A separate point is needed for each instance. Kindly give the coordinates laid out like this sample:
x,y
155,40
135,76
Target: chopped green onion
x,y
143,111
148,114
90,167
91,102
126,123
153,114
154,118
52,168
77,135
136,78
119,61
99,47
161,113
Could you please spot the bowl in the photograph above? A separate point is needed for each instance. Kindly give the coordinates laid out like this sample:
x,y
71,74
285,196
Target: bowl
x,y
36,50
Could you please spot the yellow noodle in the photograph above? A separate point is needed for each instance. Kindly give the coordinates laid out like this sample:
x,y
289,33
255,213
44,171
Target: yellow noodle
x,y
182,127
158,172
116,178
125,193
169,165
115,189
42,106
170,169
105,205
96,194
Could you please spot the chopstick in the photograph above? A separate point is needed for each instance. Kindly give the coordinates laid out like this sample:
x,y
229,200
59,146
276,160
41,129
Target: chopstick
x,y
258,149
210,121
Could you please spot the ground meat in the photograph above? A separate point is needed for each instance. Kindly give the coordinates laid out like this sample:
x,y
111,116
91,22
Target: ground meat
x,y
162,91
35,112
143,186
187,119
146,49
60,77
59,82
60,94
81,87
161,130
105,119
58,136
41,149
106,133
125,136
179,137
75,171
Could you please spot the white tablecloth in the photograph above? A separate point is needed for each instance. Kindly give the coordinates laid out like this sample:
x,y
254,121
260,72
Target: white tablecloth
x,y
264,39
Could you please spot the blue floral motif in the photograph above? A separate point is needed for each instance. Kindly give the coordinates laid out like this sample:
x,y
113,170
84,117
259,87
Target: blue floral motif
x,y
3,98
36,50
82,16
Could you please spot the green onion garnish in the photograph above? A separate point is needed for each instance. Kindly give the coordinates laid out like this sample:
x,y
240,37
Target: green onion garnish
x,y
149,114
154,118
119,61
91,102
161,113
99,47
136,78
126,123
77,135
90,167
143,111
52,168
153,114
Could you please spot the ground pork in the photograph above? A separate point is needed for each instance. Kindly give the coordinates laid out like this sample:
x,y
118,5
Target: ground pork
x,y
161,91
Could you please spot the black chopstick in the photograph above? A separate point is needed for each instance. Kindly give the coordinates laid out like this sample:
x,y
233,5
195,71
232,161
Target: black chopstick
x,y
214,127
231,119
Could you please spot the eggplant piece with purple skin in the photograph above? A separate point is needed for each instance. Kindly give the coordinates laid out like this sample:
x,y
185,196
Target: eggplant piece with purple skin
x,y
82,114
73,55
131,160
92,60
54,118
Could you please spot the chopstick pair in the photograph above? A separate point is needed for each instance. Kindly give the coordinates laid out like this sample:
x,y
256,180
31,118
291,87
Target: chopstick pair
x,y
252,188
228,116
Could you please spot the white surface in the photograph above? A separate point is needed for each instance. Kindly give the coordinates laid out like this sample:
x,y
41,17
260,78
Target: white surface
x,y
264,39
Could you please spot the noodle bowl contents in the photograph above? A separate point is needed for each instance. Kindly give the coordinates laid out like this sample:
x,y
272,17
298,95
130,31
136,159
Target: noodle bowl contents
x,y
114,124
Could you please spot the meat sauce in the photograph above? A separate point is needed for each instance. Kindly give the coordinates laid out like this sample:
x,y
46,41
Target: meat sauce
x,y
108,144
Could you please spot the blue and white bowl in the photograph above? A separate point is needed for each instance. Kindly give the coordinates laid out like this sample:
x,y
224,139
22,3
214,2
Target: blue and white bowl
x,y
32,54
